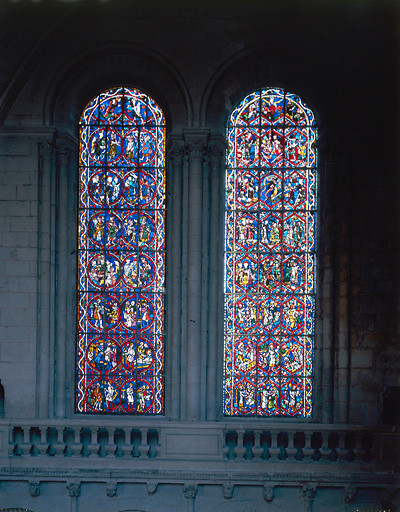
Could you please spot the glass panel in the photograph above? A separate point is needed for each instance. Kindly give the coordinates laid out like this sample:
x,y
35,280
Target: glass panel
x,y
270,256
121,264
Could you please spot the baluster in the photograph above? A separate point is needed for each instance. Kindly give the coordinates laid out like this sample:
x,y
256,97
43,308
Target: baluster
x,y
43,445
144,446
110,447
257,448
76,443
14,444
341,449
226,449
59,445
308,450
157,447
324,450
126,447
240,450
26,446
358,448
291,450
93,446
274,450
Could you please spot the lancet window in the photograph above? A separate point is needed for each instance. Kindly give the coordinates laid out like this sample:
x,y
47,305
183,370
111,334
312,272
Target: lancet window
x,y
121,228
270,261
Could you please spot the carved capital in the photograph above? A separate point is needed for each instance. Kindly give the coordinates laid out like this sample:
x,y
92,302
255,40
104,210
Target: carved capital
x,y
34,488
74,489
190,491
195,142
46,148
196,149
268,492
111,488
228,489
216,151
151,487
177,150
63,152
350,494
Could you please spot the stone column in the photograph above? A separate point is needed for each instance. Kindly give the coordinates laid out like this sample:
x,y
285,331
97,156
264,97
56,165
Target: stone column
x,y
190,493
308,491
174,273
195,141
74,491
63,160
215,272
44,273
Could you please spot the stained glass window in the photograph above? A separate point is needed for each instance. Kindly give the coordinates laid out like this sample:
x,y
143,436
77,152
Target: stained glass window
x,y
270,256
120,352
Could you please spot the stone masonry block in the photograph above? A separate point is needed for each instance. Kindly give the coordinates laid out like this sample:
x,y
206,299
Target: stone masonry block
x,y
18,284
15,208
362,358
17,316
26,192
19,239
14,333
16,268
10,352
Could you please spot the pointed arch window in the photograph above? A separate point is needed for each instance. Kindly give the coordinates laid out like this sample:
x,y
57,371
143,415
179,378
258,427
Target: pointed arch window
x,y
121,226
270,256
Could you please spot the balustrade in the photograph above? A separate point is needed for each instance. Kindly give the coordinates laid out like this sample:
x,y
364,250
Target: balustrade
x,y
323,444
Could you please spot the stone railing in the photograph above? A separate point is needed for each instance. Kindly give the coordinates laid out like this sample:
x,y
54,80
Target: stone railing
x,y
231,443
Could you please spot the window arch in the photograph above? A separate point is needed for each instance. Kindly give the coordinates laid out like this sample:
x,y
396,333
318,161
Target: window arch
x,y
270,256
121,225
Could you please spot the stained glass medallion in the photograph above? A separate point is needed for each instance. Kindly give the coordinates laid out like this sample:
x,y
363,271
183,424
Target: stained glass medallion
x,y
120,351
270,256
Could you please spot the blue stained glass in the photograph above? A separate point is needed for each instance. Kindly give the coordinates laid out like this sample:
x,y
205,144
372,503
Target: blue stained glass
x,y
270,230
120,343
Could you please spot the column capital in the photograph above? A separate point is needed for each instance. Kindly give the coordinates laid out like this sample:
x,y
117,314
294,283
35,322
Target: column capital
x,y
309,491
74,489
176,147
350,494
228,489
190,491
111,488
216,150
46,147
66,147
151,487
34,487
196,140
268,492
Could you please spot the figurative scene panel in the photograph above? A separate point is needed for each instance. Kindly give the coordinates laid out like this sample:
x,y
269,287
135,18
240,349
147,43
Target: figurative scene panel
x,y
270,256
121,259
